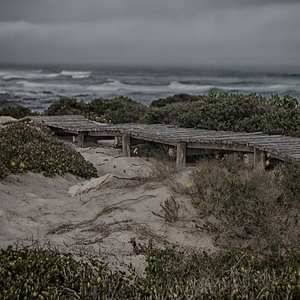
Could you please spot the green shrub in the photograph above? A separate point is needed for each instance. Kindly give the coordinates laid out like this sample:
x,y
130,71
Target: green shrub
x,y
229,112
24,148
48,274
17,111
3,169
223,112
286,102
185,98
67,106
290,179
231,275
282,121
248,209
165,115
117,110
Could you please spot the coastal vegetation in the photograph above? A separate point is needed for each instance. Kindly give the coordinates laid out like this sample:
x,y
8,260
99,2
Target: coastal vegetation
x,y
231,112
17,111
248,209
117,110
223,111
39,273
25,147
253,216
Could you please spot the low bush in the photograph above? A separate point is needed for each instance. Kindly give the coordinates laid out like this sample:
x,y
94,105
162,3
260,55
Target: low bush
x,y
67,106
164,115
24,148
229,112
223,111
289,177
48,274
117,110
248,209
179,98
17,111
230,275
3,170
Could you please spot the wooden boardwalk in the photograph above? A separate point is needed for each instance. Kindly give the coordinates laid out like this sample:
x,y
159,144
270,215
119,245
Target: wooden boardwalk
x,y
187,141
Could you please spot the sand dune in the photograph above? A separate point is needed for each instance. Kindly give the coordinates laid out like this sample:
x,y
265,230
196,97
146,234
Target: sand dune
x,y
36,209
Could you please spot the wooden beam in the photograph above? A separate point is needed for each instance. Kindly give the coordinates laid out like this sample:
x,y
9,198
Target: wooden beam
x,y
80,138
220,146
126,145
181,154
259,158
248,159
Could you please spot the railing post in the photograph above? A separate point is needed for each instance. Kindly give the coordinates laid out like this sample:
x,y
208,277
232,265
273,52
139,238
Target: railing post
x,y
80,138
259,158
181,154
126,145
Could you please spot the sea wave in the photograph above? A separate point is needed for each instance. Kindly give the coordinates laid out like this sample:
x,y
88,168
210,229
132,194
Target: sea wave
x,y
110,86
113,85
49,86
73,74
13,75
256,88
178,86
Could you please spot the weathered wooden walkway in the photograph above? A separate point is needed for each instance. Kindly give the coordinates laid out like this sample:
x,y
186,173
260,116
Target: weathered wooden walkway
x,y
187,141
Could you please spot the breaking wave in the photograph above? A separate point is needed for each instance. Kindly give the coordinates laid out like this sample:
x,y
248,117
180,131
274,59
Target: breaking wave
x,y
73,74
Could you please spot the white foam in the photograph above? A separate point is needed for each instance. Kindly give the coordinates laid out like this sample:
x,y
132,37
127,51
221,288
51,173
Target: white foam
x,y
178,86
17,75
52,75
253,88
76,74
73,74
113,85
50,86
110,86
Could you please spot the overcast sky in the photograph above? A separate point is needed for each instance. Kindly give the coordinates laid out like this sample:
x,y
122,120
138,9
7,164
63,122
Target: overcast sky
x,y
169,32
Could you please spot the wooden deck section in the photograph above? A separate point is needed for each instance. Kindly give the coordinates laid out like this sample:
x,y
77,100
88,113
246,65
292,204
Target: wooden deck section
x,y
186,140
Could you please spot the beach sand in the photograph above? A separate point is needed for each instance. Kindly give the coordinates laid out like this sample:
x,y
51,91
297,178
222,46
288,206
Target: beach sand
x,y
38,210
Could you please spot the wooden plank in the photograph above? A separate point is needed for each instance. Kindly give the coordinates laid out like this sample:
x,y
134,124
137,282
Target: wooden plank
x,y
181,154
259,158
233,147
126,145
80,139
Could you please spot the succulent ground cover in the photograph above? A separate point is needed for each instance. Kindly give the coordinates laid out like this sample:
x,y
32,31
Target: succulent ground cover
x,y
39,273
24,147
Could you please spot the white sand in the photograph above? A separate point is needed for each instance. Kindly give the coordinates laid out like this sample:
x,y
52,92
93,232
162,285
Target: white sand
x,y
34,208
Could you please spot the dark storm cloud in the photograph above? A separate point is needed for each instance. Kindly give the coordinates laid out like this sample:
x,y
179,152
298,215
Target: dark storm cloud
x,y
90,10
156,31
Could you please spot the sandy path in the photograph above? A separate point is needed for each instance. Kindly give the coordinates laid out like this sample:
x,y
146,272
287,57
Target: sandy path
x,y
34,208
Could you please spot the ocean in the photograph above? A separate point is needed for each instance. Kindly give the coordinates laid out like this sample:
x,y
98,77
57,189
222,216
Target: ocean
x,y
37,87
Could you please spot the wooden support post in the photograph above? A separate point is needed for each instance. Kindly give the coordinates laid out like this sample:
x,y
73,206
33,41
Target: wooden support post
x,y
80,138
259,159
126,145
248,159
181,154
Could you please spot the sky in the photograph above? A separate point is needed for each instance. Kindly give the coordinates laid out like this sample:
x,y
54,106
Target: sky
x,y
157,32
